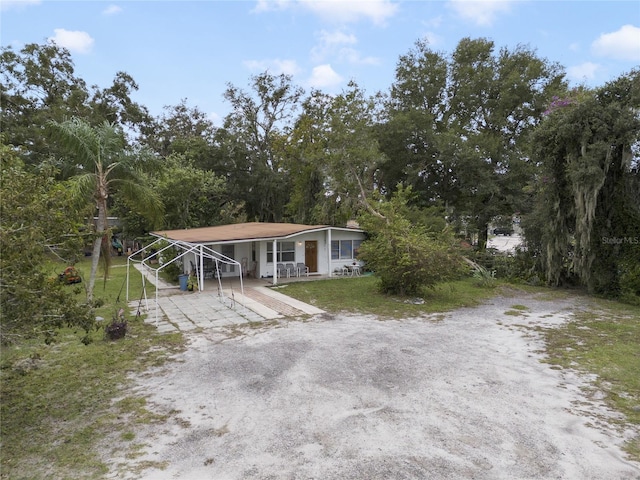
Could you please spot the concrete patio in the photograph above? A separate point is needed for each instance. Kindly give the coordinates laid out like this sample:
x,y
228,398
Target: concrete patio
x,y
216,307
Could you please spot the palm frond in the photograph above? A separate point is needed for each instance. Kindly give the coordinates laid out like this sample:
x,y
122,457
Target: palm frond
x,y
146,200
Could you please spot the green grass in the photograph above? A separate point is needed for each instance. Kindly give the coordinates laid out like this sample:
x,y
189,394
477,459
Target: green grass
x,y
604,340
360,295
59,400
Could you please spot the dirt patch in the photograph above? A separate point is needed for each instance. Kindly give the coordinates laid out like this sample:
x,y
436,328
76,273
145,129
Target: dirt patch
x,y
349,397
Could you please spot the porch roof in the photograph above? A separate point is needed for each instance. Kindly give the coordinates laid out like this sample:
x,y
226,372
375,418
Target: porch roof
x,y
241,232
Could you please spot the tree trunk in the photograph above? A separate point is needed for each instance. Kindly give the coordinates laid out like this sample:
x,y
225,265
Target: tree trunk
x,y
101,227
483,236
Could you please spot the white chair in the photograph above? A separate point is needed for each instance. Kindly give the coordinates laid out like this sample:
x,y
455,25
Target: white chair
x,y
291,269
302,269
281,271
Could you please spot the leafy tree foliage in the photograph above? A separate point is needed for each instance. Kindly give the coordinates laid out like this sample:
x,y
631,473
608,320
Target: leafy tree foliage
x,y
38,84
37,216
254,135
587,221
305,159
183,130
192,197
407,256
457,128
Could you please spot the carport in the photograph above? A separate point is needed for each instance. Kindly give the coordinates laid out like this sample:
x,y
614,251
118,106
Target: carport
x,y
154,253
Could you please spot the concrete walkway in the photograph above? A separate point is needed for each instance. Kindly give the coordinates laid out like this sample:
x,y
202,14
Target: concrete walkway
x,y
178,310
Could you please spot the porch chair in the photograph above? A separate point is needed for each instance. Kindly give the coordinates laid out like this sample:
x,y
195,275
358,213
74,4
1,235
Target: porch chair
x,y
281,271
302,268
291,269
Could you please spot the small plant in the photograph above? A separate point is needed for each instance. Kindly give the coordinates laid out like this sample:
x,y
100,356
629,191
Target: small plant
x,y
118,327
484,277
192,282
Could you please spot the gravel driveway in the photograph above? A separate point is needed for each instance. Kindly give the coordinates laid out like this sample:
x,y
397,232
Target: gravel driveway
x,y
456,396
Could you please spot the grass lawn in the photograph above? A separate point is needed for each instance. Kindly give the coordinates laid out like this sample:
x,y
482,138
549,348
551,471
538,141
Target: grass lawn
x,y
359,294
60,401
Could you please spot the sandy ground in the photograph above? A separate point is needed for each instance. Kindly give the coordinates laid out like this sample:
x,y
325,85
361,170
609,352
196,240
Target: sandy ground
x,y
457,396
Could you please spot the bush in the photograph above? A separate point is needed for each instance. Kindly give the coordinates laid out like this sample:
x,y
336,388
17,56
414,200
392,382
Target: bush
x,y
404,255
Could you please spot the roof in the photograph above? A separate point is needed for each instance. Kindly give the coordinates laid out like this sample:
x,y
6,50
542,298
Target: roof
x,y
241,232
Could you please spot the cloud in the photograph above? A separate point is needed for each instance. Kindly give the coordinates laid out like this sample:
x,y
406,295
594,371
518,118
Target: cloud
x,y
481,12
74,41
324,76
274,66
623,44
111,10
329,43
583,72
338,45
353,57
433,39
340,11
378,11
17,4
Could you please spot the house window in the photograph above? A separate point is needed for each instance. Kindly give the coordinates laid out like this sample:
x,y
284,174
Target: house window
x,y
286,252
228,250
344,249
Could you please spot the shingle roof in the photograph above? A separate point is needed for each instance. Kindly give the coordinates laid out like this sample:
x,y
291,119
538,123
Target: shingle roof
x,y
237,232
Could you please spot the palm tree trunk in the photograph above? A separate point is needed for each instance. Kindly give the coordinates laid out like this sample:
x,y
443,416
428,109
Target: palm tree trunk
x,y
97,247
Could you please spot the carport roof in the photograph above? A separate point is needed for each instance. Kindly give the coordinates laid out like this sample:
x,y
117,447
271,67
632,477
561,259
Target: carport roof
x,y
240,232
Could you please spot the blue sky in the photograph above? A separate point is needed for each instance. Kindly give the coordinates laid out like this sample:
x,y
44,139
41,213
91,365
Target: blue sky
x,y
192,49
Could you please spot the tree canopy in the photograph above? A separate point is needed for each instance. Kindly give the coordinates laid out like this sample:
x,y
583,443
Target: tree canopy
x,y
476,134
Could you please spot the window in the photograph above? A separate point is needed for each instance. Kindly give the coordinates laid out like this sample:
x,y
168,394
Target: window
x,y
344,249
286,252
228,250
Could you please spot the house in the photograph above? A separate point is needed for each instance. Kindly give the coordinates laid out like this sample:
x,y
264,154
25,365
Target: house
x,y
256,248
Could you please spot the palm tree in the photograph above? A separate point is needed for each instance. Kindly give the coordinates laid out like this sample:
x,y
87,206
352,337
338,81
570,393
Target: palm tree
x,y
106,166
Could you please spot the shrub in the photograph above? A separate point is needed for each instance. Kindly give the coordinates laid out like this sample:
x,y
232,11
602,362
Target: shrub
x,y
404,255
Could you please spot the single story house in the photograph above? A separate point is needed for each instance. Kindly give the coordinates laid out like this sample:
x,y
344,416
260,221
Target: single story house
x,y
258,249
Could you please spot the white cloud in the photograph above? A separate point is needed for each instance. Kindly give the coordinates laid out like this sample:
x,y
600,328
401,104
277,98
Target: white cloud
x,y
74,41
112,10
583,72
623,44
353,57
378,11
324,76
338,45
274,66
341,11
17,4
329,43
270,5
337,38
433,39
574,47
481,12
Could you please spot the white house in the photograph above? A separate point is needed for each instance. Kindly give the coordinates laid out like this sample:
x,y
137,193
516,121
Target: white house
x,y
259,249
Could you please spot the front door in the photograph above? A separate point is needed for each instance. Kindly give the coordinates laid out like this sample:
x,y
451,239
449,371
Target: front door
x,y
311,255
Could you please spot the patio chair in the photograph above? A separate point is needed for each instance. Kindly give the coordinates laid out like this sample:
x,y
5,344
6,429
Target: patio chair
x,y
291,269
301,268
281,270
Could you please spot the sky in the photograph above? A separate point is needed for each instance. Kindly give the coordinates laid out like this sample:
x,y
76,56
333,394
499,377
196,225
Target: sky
x,y
193,50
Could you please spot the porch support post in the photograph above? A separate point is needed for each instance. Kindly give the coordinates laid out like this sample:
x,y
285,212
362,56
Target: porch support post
x,y
329,252
275,262
201,272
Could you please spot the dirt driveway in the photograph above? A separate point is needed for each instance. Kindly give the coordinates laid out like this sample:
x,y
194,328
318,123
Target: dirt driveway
x,y
456,396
